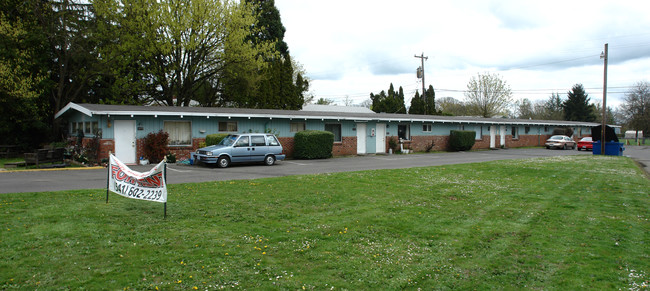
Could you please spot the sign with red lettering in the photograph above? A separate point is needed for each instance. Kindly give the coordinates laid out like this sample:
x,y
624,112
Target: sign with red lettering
x,y
149,186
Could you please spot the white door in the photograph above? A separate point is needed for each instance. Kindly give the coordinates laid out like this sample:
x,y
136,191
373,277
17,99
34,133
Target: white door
x,y
361,138
381,138
502,133
124,135
493,136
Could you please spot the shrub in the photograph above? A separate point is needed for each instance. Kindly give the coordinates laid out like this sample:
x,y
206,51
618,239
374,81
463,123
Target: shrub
x,y
313,144
461,140
212,139
563,131
155,146
392,144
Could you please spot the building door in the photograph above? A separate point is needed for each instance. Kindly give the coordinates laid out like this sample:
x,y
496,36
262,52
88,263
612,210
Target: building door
x,y
493,136
361,138
381,138
124,135
502,133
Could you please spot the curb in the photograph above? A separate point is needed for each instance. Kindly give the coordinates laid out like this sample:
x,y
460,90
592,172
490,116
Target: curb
x,y
53,169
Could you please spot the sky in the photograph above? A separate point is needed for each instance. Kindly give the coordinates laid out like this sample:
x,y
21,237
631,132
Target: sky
x,y
351,48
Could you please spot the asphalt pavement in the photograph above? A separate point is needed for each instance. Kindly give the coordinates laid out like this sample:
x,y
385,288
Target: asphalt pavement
x,y
96,178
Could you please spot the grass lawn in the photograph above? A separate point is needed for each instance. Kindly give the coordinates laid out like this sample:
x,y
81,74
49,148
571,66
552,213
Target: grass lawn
x,y
565,223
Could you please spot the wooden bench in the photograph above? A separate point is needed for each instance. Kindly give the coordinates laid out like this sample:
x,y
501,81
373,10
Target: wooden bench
x,y
44,156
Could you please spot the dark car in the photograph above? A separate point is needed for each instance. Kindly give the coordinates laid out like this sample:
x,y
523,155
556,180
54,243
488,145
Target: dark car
x,y
560,142
586,143
242,148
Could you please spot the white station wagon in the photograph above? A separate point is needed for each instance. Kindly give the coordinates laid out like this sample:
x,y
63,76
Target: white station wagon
x,y
242,148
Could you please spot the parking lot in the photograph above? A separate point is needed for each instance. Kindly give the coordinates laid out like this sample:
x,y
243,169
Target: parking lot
x,y
39,181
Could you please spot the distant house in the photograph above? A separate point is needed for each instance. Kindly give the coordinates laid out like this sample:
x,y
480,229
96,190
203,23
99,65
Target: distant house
x,y
357,131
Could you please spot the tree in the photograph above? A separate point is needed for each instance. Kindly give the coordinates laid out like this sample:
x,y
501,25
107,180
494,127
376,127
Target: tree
x,y
393,102
282,84
637,107
452,106
421,105
553,108
184,45
487,95
430,101
525,109
324,101
417,104
25,114
577,107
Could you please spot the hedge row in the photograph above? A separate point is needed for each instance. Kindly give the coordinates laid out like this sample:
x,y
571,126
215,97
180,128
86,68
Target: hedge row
x,y
313,144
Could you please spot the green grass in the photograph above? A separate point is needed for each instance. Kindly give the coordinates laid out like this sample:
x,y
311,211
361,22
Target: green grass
x,y
564,223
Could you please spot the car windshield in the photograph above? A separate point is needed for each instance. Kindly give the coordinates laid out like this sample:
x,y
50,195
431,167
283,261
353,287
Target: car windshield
x,y
586,139
556,137
228,140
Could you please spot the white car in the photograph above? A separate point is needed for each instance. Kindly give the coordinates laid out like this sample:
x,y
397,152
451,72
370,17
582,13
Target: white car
x,y
560,142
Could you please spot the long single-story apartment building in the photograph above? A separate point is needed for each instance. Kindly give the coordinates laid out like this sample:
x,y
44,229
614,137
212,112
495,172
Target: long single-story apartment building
x,y
123,128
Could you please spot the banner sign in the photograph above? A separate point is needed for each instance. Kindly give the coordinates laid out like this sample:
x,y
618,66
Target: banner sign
x,y
149,186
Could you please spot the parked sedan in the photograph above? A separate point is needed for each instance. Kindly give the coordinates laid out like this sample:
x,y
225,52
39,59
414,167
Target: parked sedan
x,y
242,148
586,143
560,142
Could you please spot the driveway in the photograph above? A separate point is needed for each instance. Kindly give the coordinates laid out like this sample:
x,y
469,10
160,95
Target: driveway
x,y
41,181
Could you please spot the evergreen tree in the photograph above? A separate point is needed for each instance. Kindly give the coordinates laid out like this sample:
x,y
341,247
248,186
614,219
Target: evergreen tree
x,y
577,107
417,104
430,101
278,86
393,102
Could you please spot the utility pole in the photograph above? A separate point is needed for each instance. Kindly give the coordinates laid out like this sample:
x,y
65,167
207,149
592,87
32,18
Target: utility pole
x,y
421,75
604,123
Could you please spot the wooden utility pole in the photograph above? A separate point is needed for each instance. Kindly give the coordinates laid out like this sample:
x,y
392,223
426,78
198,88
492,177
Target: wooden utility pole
x,y
604,122
421,71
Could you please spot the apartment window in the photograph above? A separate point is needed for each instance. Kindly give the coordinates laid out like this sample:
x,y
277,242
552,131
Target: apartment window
x,y
180,132
527,129
515,132
228,126
73,128
479,132
297,126
87,128
334,128
426,127
404,131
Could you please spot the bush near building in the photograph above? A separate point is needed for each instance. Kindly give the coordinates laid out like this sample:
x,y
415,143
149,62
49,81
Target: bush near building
x,y
461,140
313,144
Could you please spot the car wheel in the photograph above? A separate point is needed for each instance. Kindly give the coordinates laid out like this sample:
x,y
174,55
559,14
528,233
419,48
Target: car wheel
x,y
223,162
269,160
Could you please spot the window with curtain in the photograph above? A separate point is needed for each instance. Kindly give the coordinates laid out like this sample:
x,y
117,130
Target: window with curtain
x,y
180,132
297,126
335,129
227,126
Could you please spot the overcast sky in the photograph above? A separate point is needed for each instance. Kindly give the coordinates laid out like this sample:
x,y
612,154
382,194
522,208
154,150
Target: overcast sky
x,y
355,47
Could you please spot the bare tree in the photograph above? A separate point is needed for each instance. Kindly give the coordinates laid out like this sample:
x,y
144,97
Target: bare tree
x,y
637,107
488,95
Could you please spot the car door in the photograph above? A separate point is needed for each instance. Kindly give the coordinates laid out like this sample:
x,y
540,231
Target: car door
x,y
259,149
241,150
274,145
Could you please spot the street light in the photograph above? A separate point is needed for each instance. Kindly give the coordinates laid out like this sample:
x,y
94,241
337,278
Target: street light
x,y
603,56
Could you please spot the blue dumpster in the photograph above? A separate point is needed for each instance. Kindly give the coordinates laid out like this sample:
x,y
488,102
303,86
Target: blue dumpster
x,y
611,148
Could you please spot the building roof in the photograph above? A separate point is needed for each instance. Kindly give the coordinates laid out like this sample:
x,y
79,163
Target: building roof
x,y
335,108
209,112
